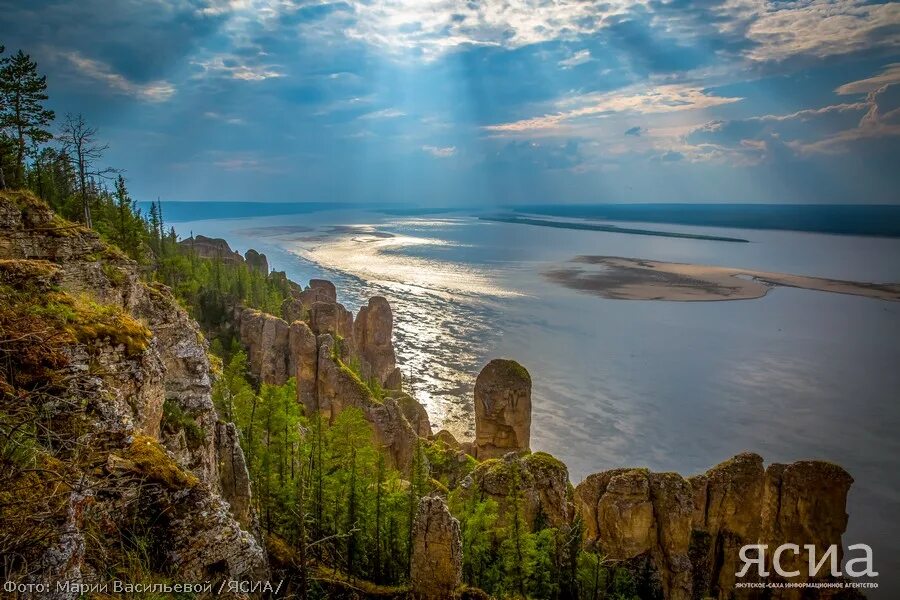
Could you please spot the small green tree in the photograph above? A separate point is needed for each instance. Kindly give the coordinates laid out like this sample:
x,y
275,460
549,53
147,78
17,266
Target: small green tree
x,y
22,97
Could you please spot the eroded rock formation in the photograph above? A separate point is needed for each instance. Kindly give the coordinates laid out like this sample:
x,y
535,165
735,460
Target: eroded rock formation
x,y
738,503
268,346
502,409
372,342
212,248
338,387
257,261
633,515
541,480
304,358
337,363
436,566
691,531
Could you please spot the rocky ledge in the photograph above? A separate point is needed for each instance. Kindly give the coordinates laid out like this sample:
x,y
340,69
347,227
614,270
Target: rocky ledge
x,y
109,356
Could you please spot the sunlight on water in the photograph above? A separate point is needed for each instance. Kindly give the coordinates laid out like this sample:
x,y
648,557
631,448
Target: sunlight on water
x,y
377,257
440,306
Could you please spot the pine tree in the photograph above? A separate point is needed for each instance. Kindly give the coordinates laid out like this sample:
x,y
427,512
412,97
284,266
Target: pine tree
x,y
377,570
125,210
22,97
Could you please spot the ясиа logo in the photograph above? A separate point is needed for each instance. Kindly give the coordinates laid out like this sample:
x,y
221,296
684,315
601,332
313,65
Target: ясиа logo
x,y
860,566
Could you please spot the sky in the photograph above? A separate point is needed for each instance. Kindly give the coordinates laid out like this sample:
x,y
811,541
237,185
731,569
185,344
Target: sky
x,y
488,103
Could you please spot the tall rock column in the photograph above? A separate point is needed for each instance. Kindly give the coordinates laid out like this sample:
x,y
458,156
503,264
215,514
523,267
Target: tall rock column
x,y
372,332
304,360
803,503
502,409
727,503
436,567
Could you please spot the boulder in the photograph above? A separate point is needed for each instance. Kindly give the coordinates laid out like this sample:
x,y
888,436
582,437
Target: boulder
x,y
502,409
436,564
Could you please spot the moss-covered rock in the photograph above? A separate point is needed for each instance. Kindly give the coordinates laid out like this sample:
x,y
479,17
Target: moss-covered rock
x,y
153,463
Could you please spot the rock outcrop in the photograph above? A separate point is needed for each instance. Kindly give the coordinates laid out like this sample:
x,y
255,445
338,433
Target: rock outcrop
x,y
338,388
257,261
331,318
502,409
727,508
125,357
436,566
541,480
804,501
738,503
319,290
268,346
372,332
211,248
304,359
633,515
234,477
691,531
337,363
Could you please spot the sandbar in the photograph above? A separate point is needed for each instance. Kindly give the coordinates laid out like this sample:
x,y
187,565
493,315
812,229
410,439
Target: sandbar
x,y
637,279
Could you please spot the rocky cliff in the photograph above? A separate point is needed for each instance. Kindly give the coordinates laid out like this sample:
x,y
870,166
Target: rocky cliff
x,y
106,358
690,531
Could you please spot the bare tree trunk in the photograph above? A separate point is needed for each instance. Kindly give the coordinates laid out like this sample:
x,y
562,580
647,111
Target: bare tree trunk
x,y
85,203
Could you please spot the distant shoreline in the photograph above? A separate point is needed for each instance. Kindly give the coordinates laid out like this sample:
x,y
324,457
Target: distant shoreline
x,y
620,278
876,220
611,229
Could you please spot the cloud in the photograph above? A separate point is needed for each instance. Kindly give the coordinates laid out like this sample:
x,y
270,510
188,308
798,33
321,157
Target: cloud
x,y
881,120
635,100
431,28
832,129
891,74
822,28
234,67
440,151
154,91
385,113
224,118
671,156
242,162
578,58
